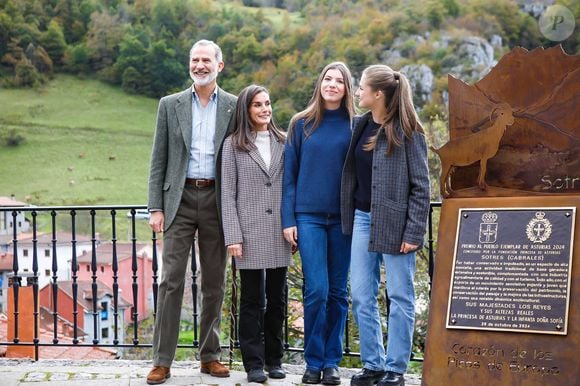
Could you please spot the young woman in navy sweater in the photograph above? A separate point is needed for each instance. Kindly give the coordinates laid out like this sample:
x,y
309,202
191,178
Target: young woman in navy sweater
x,y
318,139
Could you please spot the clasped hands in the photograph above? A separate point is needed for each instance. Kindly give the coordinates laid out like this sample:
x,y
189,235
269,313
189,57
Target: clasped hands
x,y
291,236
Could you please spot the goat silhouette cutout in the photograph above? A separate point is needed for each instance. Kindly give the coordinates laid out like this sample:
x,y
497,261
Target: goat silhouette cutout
x,y
479,146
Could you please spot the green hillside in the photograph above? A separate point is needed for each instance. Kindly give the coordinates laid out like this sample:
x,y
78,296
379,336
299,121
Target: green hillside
x,y
84,143
140,48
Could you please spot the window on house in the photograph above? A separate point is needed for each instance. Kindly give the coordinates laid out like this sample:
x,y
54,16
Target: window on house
x,y
19,224
88,268
25,252
47,253
104,332
102,268
47,272
104,310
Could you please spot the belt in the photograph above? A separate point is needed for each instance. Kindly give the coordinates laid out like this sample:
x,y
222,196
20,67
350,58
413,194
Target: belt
x,y
199,183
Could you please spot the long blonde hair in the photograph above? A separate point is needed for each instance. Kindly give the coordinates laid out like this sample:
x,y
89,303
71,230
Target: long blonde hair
x,y
314,112
398,102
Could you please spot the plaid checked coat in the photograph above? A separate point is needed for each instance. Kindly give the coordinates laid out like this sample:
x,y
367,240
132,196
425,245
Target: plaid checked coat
x,y
251,198
399,191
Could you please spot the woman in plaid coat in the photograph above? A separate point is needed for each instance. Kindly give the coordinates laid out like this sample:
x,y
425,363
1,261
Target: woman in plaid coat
x,y
252,170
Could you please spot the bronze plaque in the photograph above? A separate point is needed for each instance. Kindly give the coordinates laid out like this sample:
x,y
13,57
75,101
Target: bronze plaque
x,y
515,147
512,269
497,356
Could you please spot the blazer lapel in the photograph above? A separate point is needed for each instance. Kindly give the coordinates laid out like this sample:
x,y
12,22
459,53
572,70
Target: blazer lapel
x,y
359,127
277,149
255,155
224,112
183,112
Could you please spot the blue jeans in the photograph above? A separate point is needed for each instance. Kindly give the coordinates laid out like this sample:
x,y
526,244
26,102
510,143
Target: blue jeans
x,y
365,270
325,254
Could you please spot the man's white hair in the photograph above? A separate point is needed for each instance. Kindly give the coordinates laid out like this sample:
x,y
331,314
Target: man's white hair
x,y
204,42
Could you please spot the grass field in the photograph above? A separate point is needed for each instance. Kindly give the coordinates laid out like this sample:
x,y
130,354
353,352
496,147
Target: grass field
x,y
276,15
85,143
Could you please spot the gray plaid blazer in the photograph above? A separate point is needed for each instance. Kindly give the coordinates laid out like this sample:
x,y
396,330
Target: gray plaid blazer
x,y
251,199
400,191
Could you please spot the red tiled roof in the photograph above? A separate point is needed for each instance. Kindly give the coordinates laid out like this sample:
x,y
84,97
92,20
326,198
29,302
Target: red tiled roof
x,y
8,201
124,251
59,352
46,238
85,292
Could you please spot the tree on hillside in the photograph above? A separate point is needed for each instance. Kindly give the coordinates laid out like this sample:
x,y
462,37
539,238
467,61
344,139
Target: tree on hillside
x,y
53,42
29,66
6,31
103,38
164,72
74,16
142,10
77,59
435,13
113,37
507,21
130,66
132,50
39,58
25,74
164,17
132,80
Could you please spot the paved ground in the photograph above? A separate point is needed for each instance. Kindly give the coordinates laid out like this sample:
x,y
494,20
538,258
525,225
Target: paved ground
x,y
15,372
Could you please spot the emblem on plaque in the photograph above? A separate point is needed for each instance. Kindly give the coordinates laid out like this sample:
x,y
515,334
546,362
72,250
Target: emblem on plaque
x,y
539,229
488,228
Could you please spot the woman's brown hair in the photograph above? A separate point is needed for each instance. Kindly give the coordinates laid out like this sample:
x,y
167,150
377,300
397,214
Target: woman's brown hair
x,y
398,102
244,132
314,112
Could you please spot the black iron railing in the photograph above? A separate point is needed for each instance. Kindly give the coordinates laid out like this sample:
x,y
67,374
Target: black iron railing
x,y
102,224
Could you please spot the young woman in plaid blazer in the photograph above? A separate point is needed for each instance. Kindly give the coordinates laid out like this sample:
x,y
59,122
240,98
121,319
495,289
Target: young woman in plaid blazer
x,y
252,169
384,205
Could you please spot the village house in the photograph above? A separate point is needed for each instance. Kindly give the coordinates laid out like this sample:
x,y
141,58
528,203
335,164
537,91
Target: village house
x,y
95,315
125,280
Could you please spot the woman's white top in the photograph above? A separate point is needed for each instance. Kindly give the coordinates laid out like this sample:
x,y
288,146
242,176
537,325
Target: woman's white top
x,y
263,145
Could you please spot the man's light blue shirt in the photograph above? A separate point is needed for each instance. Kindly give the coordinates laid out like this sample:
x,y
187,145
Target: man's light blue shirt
x,y
202,154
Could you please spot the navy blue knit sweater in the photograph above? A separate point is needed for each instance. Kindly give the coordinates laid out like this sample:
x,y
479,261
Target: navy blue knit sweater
x,y
313,167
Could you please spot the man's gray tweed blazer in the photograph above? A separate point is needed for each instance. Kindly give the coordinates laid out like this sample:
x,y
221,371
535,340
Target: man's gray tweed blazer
x,y
172,145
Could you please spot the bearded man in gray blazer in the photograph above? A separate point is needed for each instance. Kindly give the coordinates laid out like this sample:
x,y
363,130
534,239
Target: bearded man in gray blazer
x,y
184,199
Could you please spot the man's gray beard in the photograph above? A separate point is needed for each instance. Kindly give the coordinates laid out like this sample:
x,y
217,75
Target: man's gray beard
x,y
205,81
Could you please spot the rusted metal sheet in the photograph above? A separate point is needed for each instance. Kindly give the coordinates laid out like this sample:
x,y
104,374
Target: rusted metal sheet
x,y
526,156
540,151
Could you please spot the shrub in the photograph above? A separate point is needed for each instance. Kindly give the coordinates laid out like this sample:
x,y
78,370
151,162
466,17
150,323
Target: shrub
x,y
13,138
26,75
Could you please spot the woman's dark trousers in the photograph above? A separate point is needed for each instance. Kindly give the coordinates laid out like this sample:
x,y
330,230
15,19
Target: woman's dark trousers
x,y
260,330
